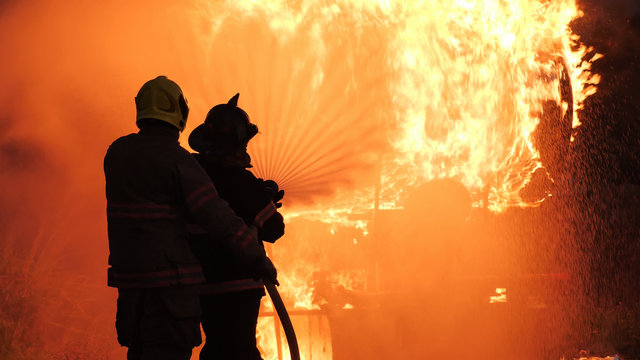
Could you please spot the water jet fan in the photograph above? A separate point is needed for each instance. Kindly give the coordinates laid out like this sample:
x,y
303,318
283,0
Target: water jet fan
x,y
351,94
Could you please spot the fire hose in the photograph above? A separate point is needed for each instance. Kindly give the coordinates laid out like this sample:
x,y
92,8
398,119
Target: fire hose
x,y
285,320
274,192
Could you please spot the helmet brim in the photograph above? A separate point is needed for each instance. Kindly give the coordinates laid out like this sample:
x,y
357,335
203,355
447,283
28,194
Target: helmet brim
x,y
197,140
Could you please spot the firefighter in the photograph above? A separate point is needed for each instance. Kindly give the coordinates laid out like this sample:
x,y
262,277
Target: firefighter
x,y
154,187
231,298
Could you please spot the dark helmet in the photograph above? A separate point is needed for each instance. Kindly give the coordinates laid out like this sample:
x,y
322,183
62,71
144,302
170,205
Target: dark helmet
x,y
226,128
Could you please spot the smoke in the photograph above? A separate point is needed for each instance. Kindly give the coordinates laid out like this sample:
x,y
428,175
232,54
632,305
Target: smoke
x,y
69,73
79,66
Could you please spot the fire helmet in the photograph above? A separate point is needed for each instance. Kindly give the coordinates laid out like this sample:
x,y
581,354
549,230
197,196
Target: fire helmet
x,y
162,99
225,129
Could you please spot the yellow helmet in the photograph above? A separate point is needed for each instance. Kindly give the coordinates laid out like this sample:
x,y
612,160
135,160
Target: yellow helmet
x,y
162,99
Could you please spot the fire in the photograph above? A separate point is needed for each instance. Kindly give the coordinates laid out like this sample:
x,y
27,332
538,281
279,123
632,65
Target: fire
x,y
470,93
455,90
501,296
356,100
360,100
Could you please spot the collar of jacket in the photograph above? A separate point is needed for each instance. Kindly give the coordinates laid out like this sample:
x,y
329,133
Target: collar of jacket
x,y
160,130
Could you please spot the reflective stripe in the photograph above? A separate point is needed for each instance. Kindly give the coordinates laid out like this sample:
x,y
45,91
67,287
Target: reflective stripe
x,y
198,191
195,229
243,236
138,205
140,211
201,196
203,200
230,286
182,275
140,216
264,214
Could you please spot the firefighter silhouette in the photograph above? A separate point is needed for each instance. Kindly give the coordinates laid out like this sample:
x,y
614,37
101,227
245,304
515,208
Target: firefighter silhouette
x,y
153,188
231,298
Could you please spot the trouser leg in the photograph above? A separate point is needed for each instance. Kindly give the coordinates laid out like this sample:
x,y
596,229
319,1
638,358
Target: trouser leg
x,y
158,324
229,322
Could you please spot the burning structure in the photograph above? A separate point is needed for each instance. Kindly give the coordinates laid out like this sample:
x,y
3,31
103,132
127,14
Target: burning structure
x,y
428,151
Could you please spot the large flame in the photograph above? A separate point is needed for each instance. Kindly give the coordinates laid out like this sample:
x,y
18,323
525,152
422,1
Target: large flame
x,y
456,89
356,101
472,77
395,94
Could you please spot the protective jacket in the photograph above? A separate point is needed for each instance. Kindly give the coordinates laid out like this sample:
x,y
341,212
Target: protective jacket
x,y
247,197
154,187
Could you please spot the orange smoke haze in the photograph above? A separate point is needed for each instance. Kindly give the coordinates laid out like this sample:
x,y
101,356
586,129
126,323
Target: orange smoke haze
x,y
355,105
70,71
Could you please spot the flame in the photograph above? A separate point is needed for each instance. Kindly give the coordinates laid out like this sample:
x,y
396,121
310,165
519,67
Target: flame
x,y
458,95
360,100
501,296
312,330
469,93
356,100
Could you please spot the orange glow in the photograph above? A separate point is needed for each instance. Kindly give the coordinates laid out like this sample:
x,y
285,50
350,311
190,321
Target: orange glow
x,y
500,298
458,95
417,91
312,330
357,102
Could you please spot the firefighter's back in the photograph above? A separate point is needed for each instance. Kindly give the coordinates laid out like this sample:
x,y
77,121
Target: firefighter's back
x,y
146,222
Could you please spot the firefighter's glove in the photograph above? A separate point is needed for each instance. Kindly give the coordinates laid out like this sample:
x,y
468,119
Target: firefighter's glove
x,y
266,271
273,190
278,197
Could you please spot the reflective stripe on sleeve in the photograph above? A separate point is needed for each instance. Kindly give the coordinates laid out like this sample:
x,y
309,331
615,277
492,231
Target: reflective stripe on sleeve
x,y
265,214
195,229
140,211
200,196
244,236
